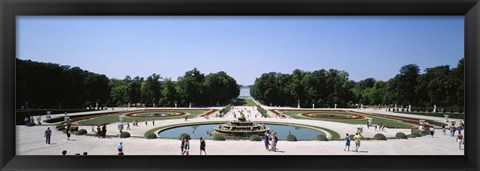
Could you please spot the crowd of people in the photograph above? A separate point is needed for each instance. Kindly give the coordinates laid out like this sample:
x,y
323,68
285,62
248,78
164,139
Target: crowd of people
x,y
185,146
270,141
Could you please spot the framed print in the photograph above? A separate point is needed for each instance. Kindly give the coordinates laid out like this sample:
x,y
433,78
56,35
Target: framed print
x,y
189,85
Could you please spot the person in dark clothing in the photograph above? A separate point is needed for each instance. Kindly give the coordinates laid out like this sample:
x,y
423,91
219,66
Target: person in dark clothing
x,y
99,131
64,152
266,140
104,131
48,134
202,146
183,144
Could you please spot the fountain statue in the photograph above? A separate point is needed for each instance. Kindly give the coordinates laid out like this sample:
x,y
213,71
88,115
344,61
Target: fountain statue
x,y
241,128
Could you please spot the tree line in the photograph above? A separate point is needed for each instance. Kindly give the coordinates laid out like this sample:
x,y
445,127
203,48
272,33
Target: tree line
x,y
51,86
440,85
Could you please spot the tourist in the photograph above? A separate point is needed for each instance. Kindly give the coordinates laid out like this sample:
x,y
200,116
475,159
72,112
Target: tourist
x,y
462,125
274,141
120,147
452,130
153,122
459,128
128,126
459,140
48,134
347,142
93,129
357,139
186,146
85,153
202,146
266,138
375,128
186,118
432,131
181,146
99,131
64,152
146,123
104,130
443,130
368,125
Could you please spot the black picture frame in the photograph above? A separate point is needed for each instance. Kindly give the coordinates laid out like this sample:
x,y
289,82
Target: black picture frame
x,y
9,9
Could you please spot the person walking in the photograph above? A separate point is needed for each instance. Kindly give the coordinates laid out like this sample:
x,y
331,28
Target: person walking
x,y
99,131
202,146
347,142
183,144
186,147
48,135
443,130
120,147
104,131
265,140
274,141
459,140
452,130
357,139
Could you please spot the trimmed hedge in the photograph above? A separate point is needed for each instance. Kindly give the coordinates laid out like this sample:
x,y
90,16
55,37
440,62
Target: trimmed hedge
x,y
125,135
61,128
74,129
81,132
291,137
322,137
401,135
218,137
183,135
255,138
31,124
379,136
151,135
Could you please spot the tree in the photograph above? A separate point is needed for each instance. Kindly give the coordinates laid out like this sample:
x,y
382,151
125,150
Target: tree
x,y
151,89
169,92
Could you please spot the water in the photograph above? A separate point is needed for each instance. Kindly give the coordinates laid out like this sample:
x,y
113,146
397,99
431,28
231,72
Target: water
x,y
245,91
197,131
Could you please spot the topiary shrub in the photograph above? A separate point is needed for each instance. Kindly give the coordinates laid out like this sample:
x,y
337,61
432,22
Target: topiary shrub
x,y
412,136
151,135
291,137
379,136
125,135
31,124
183,135
81,132
255,138
61,128
416,132
218,137
401,135
74,129
322,137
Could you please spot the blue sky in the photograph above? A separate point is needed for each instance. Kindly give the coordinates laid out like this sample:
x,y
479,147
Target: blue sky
x,y
244,47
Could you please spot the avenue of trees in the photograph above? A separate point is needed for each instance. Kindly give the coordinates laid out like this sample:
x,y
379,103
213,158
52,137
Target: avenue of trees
x,y
440,85
52,86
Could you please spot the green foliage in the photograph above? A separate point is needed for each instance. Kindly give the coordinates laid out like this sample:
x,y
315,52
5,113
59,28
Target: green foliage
x,y
262,111
416,133
291,137
150,135
125,135
401,135
379,136
225,110
81,132
255,138
61,128
322,137
74,129
31,124
218,137
183,135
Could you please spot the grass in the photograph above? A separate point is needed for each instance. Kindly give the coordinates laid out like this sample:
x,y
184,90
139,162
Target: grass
x,y
376,120
250,102
114,118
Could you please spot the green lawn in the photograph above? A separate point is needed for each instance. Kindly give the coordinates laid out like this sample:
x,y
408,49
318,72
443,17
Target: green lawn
x,y
250,102
114,118
376,120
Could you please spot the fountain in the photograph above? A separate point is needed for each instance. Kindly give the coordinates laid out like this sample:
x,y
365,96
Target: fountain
x,y
241,128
